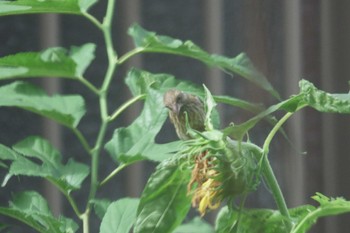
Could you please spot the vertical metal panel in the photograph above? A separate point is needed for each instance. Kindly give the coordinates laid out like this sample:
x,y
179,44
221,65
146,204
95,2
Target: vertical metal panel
x,y
130,13
256,40
213,41
294,165
335,76
328,120
49,37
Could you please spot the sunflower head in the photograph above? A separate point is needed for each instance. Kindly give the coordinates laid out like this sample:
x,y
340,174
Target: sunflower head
x,y
219,170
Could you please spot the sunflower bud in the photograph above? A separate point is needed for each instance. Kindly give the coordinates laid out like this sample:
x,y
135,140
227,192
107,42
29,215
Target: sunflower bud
x,y
219,170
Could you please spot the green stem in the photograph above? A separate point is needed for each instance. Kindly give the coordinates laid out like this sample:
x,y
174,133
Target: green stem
x,y
95,160
125,106
85,218
129,54
275,129
89,85
82,139
111,55
276,192
113,173
92,19
106,28
66,194
270,176
73,204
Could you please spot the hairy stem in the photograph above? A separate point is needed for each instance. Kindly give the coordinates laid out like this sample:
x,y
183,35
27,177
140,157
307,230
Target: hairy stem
x,y
95,152
125,106
130,54
85,218
82,139
92,19
269,174
68,197
113,173
89,85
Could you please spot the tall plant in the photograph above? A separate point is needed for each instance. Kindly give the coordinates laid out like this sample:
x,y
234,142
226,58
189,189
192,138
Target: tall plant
x,y
215,165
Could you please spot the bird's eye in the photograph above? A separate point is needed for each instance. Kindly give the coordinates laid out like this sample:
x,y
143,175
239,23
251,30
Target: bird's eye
x,y
179,98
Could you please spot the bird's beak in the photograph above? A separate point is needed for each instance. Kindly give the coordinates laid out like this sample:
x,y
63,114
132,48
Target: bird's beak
x,y
175,108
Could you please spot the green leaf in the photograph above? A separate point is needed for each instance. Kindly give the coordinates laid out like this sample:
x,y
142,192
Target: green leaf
x,y
239,131
73,174
226,221
323,101
241,64
32,209
82,57
86,4
39,148
67,177
7,153
66,110
309,96
195,225
210,106
120,216
252,107
256,220
33,6
31,203
137,141
52,62
100,206
164,202
140,81
328,207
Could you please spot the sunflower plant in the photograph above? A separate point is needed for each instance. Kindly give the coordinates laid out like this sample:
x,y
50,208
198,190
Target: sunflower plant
x,y
214,169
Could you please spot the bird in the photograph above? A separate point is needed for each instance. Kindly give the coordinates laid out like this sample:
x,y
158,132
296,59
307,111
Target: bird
x,y
179,103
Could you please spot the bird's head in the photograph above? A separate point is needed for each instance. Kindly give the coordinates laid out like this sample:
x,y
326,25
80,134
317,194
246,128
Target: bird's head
x,y
179,103
174,100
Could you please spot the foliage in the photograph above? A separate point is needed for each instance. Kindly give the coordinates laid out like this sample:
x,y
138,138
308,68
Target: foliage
x,y
215,166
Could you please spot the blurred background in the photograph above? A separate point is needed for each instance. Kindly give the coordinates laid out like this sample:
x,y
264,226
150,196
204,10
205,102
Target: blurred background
x,y
287,41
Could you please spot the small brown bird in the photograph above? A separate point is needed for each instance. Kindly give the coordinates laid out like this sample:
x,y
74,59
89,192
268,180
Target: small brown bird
x,y
178,103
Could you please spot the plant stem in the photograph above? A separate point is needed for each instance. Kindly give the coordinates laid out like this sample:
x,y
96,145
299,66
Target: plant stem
x,y
102,93
85,218
73,204
95,161
276,192
106,28
130,54
66,194
125,106
89,85
113,173
270,176
82,139
92,19
274,131
95,152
